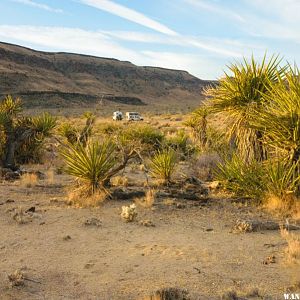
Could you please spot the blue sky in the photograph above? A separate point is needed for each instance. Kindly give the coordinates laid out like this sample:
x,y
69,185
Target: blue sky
x,y
200,36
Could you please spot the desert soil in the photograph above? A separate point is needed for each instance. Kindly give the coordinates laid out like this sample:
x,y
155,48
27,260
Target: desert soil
x,y
190,246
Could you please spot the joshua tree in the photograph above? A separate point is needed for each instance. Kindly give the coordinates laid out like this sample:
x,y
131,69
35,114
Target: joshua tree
x,y
21,133
240,94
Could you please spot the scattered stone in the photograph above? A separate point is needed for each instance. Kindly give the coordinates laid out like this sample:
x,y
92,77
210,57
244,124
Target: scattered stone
x,y
67,238
93,222
31,209
147,223
88,265
129,213
126,193
269,260
180,205
20,216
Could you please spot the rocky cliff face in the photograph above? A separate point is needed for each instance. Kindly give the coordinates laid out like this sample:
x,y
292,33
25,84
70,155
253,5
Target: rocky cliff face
x,y
60,79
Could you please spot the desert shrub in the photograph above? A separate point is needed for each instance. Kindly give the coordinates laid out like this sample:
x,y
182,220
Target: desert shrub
x,y
163,164
148,200
292,251
181,144
242,178
75,135
90,165
69,132
145,135
204,165
110,128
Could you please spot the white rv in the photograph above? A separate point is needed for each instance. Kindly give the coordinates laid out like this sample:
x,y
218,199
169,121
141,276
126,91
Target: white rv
x,y
117,115
134,116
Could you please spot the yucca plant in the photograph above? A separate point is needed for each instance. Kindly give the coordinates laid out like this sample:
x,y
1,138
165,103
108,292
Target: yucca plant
x,y
163,164
241,178
239,94
90,165
198,123
282,179
280,119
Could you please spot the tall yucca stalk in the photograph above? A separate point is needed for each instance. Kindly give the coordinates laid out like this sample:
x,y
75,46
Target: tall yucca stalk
x,y
163,164
239,94
91,164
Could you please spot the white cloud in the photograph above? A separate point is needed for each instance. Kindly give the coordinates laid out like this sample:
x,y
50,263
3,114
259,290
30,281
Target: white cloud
x,y
67,39
221,46
129,14
198,65
39,5
216,9
98,44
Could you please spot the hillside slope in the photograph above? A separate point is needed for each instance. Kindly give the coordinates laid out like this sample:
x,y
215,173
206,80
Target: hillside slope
x,y
59,79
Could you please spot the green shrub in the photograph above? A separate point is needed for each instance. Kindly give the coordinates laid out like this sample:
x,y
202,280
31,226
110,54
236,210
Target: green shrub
x,y
180,143
282,179
163,164
145,135
241,178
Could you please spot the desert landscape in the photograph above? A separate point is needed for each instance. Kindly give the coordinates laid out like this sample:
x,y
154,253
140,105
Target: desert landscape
x,y
202,205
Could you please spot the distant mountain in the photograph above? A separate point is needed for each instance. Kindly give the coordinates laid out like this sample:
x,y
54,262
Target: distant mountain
x,y
47,79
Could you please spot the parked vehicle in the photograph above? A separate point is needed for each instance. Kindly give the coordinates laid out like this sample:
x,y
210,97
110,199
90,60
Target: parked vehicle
x,y
117,115
134,116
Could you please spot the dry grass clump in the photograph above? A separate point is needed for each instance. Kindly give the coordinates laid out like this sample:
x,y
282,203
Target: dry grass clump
x,y
292,251
29,180
50,176
119,181
290,205
169,294
148,200
79,198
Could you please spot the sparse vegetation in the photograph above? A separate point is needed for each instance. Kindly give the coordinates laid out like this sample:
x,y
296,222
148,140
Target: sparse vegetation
x,y
163,164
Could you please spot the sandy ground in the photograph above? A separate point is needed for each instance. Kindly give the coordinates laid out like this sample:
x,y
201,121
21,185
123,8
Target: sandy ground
x,y
191,248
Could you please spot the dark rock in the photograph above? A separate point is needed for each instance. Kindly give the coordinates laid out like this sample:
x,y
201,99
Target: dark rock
x,y
126,194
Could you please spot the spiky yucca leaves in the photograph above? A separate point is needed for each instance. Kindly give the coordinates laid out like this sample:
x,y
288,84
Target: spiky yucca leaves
x,y
32,131
198,123
282,179
280,118
11,107
91,165
163,164
242,179
238,95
